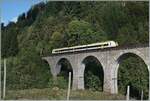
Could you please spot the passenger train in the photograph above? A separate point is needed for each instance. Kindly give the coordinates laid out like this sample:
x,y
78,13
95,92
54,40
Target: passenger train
x,y
99,45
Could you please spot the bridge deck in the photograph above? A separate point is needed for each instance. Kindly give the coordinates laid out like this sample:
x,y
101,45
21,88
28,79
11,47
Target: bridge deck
x,y
106,49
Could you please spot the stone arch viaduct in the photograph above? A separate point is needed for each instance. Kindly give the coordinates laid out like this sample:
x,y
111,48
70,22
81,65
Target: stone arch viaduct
x,y
108,59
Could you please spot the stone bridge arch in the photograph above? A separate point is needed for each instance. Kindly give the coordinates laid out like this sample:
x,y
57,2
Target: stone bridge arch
x,y
95,57
117,58
54,64
83,67
58,65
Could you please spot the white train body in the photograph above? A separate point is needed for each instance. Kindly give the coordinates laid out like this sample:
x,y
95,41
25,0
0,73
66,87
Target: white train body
x,y
99,45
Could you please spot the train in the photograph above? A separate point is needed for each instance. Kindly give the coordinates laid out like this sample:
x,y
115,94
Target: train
x,y
99,45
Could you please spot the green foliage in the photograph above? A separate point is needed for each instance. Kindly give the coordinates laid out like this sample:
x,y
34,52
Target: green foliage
x,y
9,40
113,18
27,71
92,81
81,32
127,35
57,39
60,82
97,21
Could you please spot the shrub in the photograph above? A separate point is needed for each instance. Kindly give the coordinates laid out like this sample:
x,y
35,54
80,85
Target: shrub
x,y
92,81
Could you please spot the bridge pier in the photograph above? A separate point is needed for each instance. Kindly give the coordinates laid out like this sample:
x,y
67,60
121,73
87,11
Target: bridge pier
x,y
75,81
110,79
81,69
114,77
78,76
107,86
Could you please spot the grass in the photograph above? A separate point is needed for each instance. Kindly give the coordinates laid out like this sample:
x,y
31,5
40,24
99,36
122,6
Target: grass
x,y
60,94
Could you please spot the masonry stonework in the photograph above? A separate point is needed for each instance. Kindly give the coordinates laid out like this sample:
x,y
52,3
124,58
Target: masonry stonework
x,y
109,59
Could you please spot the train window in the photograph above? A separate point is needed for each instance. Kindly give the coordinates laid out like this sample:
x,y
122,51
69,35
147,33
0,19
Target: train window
x,y
92,46
105,45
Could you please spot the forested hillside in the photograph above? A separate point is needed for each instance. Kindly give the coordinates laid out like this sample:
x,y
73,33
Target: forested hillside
x,y
59,24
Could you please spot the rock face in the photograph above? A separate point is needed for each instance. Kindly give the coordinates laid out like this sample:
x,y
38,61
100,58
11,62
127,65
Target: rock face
x,y
109,59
